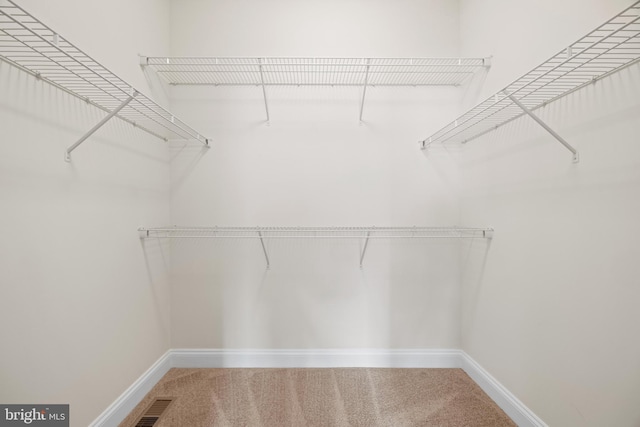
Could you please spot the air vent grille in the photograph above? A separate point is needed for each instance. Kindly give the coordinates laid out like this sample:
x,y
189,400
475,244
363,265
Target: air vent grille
x,y
147,421
153,413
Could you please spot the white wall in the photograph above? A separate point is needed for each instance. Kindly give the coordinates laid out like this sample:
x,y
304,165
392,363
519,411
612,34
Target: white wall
x,y
550,309
84,310
314,166
331,28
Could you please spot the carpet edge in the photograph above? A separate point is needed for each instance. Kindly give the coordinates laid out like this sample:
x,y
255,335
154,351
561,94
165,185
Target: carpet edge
x,y
317,358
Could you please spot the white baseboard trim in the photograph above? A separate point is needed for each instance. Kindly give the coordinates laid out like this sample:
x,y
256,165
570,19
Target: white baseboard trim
x,y
317,358
511,405
127,401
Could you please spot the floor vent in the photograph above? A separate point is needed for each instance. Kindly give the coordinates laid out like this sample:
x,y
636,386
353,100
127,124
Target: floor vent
x,y
153,413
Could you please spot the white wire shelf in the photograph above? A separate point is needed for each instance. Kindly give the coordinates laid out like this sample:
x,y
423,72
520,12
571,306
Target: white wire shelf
x,y
611,47
363,72
317,232
276,71
33,47
361,233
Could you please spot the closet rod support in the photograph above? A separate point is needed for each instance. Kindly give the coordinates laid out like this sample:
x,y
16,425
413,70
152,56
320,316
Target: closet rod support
x,y
576,157
264,90
67,155
264,249
364,89
364,249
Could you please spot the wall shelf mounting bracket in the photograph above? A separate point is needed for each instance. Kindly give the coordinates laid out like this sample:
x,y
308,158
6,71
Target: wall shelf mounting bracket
x,y
364,88
264,90
264,249
364,248
67,153
576,156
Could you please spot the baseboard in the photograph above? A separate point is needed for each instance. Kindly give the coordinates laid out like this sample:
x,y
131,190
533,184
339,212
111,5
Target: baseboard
x,y
510,404
317,358
124,404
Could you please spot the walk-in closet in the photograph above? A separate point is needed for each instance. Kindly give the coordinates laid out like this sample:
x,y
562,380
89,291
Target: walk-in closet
x,y
320,212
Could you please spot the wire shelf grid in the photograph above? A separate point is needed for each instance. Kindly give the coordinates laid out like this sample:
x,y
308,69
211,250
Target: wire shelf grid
x,y
275,71
32,46
609,48
317,232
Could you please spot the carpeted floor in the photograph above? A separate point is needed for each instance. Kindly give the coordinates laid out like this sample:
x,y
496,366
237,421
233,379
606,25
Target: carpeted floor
x,y
322,397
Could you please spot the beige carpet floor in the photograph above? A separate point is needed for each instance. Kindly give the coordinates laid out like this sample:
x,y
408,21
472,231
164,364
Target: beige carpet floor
x,y
322,397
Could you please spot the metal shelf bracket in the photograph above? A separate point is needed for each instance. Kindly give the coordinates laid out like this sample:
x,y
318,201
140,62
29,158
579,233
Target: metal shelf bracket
x,y
264,249
364,88
364,249
264,90
67,153
576,157
424,145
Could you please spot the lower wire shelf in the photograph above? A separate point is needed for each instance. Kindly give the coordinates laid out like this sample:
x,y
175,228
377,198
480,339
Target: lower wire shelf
x,y
317,232
364,233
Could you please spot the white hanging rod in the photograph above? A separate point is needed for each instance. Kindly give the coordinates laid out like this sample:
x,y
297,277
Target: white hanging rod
x,y
317,232
609,48
30,45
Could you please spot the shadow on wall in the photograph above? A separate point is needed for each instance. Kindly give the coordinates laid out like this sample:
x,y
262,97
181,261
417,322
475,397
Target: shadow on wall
x,y
314,295
474,258
423,293
157,86
473,88
156,258
185,156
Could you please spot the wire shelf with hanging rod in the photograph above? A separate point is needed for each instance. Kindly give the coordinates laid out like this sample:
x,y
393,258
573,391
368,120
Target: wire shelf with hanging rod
x,y
30,45
609,48
316,232
287,71
365,234
275,71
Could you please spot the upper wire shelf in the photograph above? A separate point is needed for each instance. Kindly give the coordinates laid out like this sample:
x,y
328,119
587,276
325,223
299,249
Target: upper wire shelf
x,y
317,232
277,71
611,47
362,72
32,46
